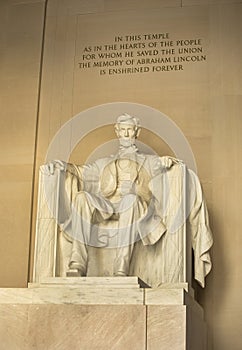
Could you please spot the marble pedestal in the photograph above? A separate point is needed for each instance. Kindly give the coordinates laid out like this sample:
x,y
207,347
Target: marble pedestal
x,y
100,313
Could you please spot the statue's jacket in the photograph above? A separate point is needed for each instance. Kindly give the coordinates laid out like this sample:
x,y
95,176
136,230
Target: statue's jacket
x,y
176,207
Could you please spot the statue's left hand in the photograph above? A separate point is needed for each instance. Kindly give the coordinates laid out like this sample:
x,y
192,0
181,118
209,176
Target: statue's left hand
x,y
167,162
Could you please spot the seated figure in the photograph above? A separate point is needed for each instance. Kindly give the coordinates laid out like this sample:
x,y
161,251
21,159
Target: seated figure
x,y
130,189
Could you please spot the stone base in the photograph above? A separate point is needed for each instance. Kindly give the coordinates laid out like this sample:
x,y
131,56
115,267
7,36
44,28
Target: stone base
x,y
100,313
175,328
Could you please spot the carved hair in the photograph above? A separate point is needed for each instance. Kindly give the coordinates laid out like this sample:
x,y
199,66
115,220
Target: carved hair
x,y
128,119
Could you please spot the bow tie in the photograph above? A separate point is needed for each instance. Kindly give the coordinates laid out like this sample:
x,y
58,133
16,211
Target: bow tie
x,y
127,150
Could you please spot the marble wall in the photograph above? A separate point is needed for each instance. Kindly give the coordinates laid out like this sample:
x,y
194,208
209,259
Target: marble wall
x,y
204,100
21,24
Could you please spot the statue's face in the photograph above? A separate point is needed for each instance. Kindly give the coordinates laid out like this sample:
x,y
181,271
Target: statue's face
x,y
126,131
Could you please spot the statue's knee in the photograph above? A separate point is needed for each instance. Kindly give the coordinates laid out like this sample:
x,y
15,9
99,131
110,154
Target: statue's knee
x,y
81,197
81,201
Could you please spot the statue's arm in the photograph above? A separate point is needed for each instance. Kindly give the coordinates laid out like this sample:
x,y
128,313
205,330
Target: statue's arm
x,y
87,175
50,168
166,162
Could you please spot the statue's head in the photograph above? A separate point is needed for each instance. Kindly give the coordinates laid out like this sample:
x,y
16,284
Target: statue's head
x,y
127,127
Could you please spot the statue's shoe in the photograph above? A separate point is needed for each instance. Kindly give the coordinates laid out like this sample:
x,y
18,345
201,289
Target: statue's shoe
x,y
75,270
120,274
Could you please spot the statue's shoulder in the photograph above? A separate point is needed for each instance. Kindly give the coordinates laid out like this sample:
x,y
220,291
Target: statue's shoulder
x,y
103,162
148,158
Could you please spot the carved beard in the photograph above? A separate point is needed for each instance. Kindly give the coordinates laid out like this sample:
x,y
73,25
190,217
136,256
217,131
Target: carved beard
x,y
127,143
127,147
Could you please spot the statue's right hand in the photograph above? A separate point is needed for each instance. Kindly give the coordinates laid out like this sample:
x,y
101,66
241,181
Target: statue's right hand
x,y
50,167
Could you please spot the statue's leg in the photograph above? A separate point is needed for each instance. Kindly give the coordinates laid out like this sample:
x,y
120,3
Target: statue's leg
x,y
84,215
82,212
130,210
122,260
78,260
